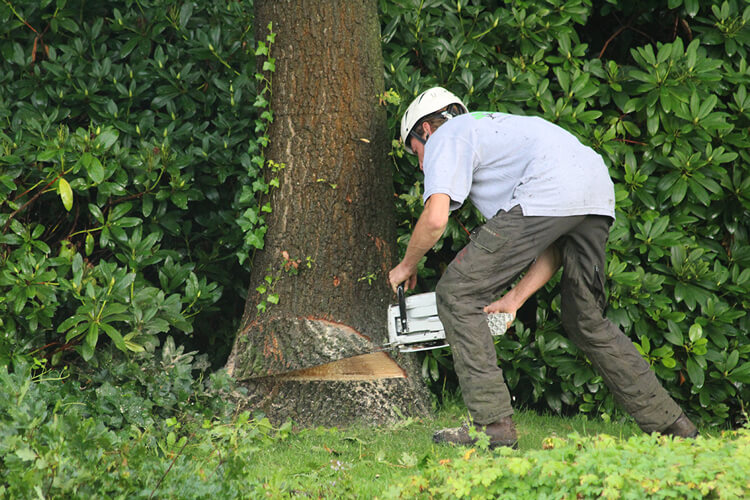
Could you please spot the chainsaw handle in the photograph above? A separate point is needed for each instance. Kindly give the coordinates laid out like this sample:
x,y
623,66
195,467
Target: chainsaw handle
x,y
402,308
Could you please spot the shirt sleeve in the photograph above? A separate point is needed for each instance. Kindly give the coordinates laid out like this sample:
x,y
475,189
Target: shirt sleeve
x,y
448,168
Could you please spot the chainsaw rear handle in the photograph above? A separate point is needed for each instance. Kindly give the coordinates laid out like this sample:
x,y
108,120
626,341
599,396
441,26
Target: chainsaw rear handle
x,y
402,308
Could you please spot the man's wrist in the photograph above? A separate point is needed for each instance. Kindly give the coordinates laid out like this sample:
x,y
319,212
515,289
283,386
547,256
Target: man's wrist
x,y
408,264
514,300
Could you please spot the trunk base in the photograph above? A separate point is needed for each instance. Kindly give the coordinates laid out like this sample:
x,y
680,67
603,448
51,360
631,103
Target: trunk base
x,y
310,403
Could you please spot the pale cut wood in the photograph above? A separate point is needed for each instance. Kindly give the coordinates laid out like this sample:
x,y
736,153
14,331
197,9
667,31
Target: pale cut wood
x,y
373,366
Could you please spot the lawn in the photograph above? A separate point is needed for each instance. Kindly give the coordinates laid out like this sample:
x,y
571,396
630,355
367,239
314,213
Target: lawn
x,y
364,462
57,444
400,460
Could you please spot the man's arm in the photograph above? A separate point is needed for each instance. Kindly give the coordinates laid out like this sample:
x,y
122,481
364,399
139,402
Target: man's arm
x,y
539,273
427,232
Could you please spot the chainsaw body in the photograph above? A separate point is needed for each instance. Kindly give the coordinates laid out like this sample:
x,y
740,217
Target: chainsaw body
x,y
414,325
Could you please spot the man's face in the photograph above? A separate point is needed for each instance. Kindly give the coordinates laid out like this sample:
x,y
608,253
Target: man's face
x,y
418,149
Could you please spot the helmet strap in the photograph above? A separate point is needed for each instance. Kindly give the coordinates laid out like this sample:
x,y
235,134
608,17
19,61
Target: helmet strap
x,y
414,134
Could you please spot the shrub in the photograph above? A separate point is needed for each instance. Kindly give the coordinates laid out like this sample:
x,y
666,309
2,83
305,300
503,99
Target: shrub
x,y
133,187
125,433
668,111
130,175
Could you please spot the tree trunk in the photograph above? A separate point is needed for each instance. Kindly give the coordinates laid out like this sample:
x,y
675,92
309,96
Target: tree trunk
x,y
314,356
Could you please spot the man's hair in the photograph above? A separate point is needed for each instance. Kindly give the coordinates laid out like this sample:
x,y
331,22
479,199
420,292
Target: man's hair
x,y
438,118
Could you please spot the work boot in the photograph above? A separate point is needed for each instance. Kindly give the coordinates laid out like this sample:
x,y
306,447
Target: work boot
x,y
501,433
682,427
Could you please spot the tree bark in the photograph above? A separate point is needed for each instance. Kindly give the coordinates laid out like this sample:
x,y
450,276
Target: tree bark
x,y
331,232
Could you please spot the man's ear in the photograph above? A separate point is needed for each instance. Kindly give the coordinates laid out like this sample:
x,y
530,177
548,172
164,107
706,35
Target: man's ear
x,y
427,129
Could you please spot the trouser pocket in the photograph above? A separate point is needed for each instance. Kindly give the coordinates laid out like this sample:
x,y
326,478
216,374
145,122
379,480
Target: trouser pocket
x,y
489,255
489,240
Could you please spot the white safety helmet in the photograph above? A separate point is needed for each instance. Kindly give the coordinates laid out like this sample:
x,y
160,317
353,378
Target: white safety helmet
x,y
426,103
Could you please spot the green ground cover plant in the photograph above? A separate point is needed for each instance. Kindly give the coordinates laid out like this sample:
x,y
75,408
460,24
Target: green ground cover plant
x,y
600,466
128,436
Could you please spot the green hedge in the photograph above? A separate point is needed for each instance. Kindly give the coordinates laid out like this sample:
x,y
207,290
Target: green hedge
x,y
130,175
660,90
133,185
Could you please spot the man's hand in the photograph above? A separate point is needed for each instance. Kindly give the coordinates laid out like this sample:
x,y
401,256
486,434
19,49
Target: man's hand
x,y
503,304
402,274
540,272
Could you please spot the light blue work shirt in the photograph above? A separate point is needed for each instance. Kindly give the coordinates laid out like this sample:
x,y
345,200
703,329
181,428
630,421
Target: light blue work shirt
x,y
498,161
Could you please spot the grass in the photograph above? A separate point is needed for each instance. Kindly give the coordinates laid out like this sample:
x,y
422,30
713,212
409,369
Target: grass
x,y
363,462
61,452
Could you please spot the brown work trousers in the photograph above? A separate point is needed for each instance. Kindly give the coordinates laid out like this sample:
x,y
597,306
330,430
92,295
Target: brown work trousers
x,y
498,253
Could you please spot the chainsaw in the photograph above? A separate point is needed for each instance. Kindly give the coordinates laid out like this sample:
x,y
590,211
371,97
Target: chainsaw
x,y
414,325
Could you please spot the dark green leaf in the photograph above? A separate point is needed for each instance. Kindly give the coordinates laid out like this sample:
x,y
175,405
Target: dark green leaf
x,y
741,374
695,373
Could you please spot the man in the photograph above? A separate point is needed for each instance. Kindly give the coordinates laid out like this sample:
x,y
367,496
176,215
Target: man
x,y
548,201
